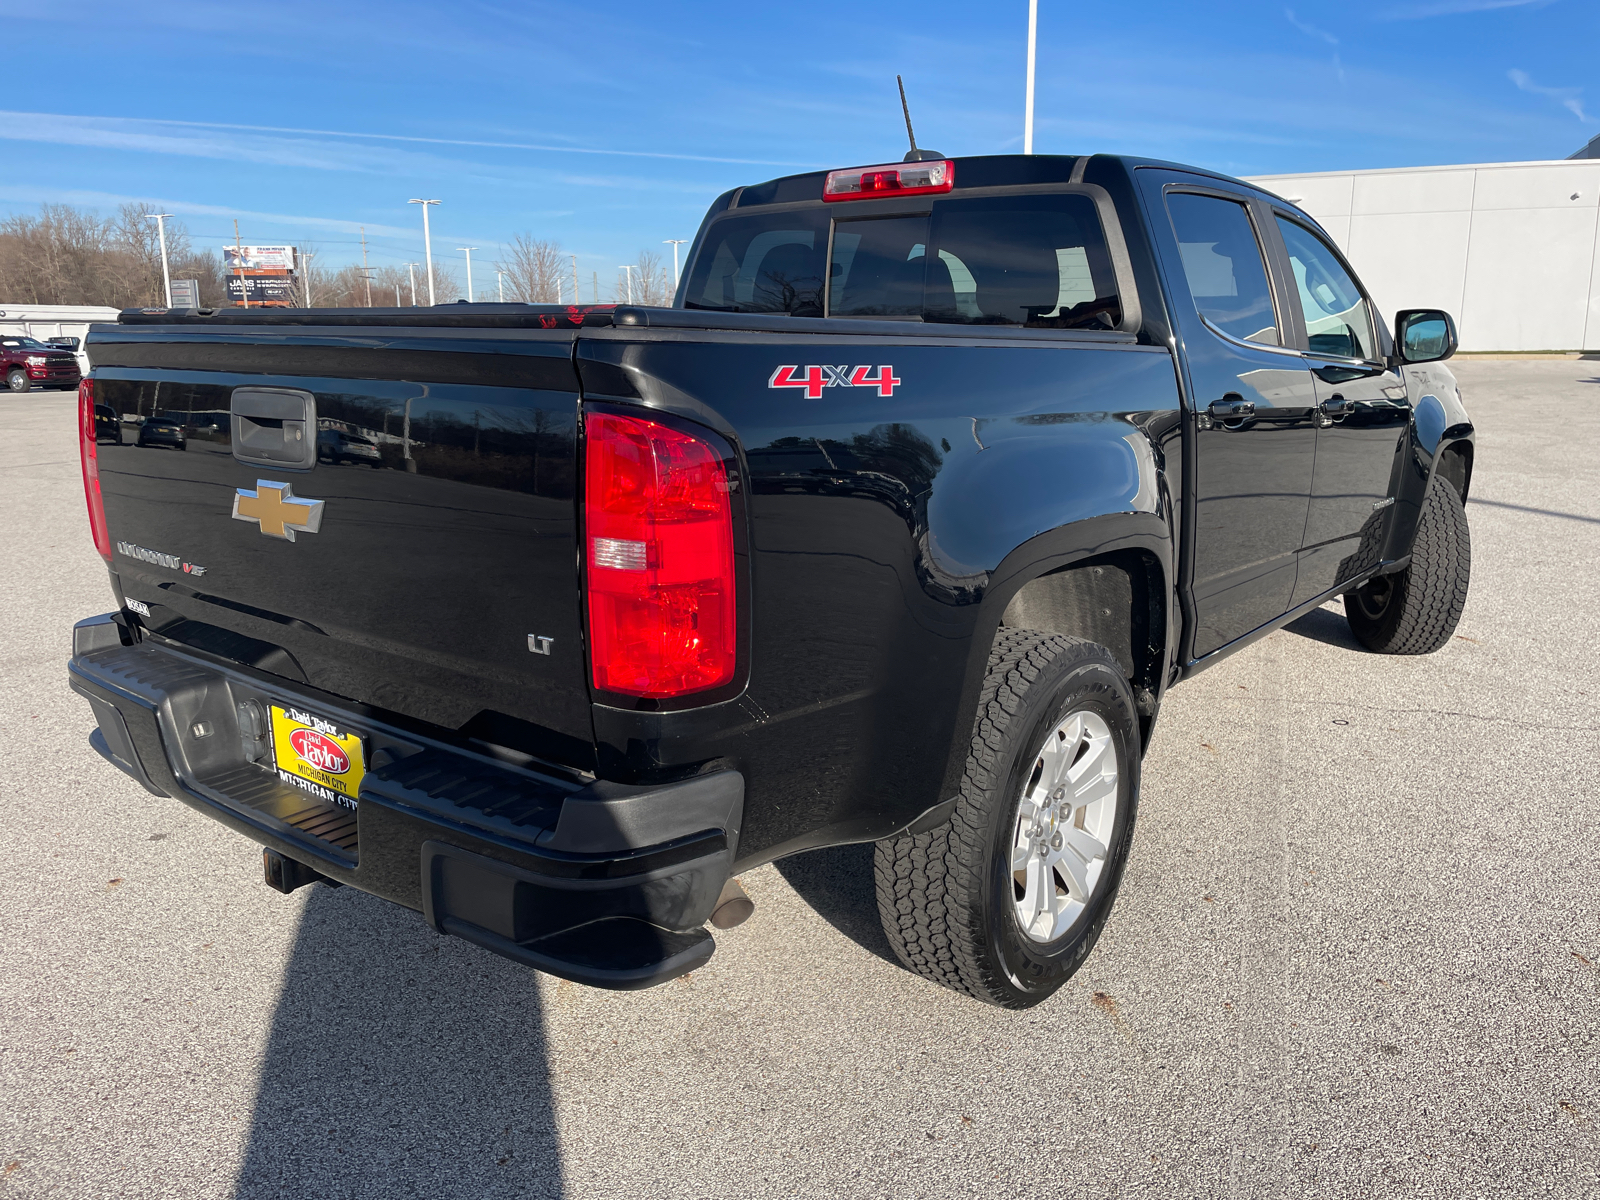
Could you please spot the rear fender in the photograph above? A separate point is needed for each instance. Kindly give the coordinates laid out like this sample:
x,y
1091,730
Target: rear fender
x,y
1139,549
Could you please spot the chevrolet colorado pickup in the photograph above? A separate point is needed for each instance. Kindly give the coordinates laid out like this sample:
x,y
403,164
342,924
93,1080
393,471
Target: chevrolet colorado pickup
x,y
896,527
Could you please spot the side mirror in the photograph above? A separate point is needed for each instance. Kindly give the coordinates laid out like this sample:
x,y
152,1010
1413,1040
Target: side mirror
x,y
1424,335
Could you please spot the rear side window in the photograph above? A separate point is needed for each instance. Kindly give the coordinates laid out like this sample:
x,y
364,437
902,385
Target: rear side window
x,y
1223,264
771,263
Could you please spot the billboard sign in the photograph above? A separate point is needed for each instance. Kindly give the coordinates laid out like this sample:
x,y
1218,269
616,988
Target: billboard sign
x,y
260,289
259,258
185,293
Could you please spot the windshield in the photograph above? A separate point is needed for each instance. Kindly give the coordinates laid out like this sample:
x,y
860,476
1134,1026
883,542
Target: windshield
x,y
24,343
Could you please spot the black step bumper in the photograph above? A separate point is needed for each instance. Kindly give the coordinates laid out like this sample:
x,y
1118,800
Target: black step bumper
x,y
602,883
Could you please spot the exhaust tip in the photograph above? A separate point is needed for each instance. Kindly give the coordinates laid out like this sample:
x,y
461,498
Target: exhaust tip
x,y
733,906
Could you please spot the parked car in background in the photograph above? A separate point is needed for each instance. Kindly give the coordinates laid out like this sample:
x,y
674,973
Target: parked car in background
x,y
26,361
163,431
335,446
107,425
55,323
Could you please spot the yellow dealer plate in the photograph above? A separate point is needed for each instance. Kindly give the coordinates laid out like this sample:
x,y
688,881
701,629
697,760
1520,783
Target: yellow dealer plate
x,y
317,756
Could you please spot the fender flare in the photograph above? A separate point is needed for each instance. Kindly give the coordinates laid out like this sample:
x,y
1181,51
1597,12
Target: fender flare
x,y
1064,546
1440,428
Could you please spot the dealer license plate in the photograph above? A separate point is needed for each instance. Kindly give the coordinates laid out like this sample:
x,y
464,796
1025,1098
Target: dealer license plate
x,y
317,756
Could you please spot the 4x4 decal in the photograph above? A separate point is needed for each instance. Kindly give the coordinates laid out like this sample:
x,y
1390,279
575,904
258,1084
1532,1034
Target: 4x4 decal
x,y
815,379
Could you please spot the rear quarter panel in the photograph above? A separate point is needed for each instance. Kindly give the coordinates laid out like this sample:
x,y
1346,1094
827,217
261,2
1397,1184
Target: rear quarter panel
x,y
887,533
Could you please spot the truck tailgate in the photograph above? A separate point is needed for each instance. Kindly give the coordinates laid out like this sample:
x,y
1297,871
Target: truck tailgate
x,y
441,583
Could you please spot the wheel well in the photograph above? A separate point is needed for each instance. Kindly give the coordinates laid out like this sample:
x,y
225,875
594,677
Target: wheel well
x,y
1455,466
1115,600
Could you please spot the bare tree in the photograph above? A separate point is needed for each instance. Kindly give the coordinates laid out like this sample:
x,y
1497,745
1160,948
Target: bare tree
x,y
534,269
68,256
650,282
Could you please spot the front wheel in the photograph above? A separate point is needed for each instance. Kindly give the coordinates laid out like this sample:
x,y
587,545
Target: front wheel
x,y
1005,900
17,380
1416,610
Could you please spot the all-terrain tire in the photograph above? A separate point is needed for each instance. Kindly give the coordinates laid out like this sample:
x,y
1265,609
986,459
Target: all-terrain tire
x,y
1416,610
945,896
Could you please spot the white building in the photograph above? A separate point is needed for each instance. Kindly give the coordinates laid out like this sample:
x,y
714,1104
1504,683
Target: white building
x,y
45,321
1508,249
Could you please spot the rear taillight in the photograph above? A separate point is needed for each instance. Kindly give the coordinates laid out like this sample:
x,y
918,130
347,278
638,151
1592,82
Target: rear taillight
x,y
891,179
91,469
658,522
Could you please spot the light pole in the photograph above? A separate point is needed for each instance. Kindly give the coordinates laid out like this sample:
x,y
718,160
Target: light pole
x,y
1033,44
468,250
161,231
628,267
411,270
574,258
500,282
305,260
427,244
675,243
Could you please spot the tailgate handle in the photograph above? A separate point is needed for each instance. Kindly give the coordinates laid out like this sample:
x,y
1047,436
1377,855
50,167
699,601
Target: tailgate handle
x,y
274,427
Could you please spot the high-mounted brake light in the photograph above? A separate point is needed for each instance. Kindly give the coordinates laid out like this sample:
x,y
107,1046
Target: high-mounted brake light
x,y
91,469
658,522
891,179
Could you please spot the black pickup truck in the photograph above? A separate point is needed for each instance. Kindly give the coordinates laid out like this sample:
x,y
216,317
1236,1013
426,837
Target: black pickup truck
x,y
896,527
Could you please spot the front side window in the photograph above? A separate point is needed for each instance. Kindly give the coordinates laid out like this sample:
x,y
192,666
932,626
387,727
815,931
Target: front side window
x,y
768,263
1337,318
1224,266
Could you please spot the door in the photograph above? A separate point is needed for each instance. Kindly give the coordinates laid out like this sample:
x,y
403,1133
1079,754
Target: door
x,y
1362,417
1255,431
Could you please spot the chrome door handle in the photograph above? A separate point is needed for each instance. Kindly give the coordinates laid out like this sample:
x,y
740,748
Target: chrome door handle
x,y
1231,409
1336,405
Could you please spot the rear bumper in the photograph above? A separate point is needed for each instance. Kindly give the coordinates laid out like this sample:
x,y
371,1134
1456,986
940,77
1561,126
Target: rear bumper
x,y
601,883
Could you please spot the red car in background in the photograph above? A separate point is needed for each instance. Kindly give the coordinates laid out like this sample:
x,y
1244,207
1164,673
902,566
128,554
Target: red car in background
x,y
25,361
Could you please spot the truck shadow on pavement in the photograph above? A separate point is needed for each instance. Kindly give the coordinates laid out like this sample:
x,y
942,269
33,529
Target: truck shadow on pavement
x,y
1324,625
400,1063
837,884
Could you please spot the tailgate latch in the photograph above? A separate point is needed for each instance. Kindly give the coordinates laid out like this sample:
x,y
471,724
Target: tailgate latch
x,y
274,427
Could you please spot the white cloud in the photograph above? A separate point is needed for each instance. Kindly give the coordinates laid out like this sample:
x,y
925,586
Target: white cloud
x,y
1570,98
1310,30
89,199
145,134
1450,8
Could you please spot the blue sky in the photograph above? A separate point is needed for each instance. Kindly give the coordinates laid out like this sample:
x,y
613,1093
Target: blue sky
x,y
609,127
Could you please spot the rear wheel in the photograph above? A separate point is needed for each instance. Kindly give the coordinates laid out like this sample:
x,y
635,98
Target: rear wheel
x,y
17,380
1416,610
1005,899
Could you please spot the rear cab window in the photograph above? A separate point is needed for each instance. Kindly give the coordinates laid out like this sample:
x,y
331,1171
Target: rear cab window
x,y
762,263
1035,261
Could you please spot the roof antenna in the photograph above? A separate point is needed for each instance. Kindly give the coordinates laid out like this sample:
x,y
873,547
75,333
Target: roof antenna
x,y
912,155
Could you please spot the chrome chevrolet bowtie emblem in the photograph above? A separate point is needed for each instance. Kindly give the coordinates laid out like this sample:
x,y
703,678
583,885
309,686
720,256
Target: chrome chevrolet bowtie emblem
x,y
276,511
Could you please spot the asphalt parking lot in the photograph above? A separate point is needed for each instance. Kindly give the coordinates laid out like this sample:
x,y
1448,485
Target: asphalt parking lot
x,y
1357,952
